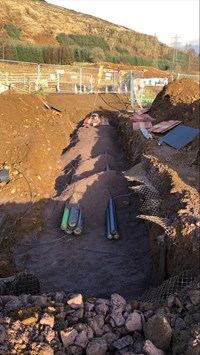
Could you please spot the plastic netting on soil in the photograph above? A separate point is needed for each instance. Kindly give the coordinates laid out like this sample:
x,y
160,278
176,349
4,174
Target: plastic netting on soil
x,y
172,286
149,204
23,283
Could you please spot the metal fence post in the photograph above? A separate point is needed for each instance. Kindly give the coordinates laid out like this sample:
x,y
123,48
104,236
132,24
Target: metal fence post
x,y
58,82
131,90
113,89
80,90
38,77
91,84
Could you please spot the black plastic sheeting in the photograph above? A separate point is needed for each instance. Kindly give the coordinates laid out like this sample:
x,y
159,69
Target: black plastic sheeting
x,y
180,136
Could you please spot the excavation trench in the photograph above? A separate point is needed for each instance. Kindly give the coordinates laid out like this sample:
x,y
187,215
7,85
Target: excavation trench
x,y
91,263
157,210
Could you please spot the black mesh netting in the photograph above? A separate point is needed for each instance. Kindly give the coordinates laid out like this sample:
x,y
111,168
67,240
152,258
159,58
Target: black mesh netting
x,y
23,283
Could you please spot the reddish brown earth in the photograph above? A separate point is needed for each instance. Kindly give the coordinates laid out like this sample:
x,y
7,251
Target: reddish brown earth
x,y
47,165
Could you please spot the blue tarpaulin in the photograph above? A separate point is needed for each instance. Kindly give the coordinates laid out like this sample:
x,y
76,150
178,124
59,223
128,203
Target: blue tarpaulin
x,y
180,136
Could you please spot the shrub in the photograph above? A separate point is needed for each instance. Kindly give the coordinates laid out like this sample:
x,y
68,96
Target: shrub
x,y
97,55
122,50
27,52
63,39
12,31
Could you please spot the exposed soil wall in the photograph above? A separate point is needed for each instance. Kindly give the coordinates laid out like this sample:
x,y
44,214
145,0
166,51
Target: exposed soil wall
x,y
179,202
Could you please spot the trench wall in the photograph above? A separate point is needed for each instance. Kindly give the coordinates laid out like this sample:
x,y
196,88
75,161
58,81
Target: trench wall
x,y
177,206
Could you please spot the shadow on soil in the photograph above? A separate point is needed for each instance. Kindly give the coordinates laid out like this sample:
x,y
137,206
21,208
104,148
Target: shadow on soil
x,y
90,263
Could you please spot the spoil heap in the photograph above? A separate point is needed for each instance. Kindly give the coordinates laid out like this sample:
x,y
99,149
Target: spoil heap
x,y
179,100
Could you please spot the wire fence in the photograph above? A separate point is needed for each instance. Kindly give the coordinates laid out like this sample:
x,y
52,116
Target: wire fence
x,y
29,77
22,283
28,283
172,286
193,77
26,77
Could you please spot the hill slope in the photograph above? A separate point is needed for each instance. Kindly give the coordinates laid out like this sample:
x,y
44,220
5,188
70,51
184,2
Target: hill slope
x,y
41,22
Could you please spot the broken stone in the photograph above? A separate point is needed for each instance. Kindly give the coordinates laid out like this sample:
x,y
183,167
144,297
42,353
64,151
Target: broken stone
x,y
89,306
180,324
13,305
68,337
178,302
195,297
96,346
59,296
158,330
102,309
30,320
46,350
47,319
118,301
97,324
2,334
73,350
122,342
82,339
118,304
133,322
49,334
102,301
110,338
76,301
169,301
150,349
40,301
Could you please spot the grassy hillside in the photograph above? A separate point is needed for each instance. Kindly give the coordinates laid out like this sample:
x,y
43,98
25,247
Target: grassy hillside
x,y
33,30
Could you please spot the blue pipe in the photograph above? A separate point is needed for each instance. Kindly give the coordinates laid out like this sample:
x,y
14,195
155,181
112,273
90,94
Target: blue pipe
x,y
113,219
79,227
108,233
107,167
73,216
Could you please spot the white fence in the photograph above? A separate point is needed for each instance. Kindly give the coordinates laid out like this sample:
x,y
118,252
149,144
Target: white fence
x,y
30,77
193,77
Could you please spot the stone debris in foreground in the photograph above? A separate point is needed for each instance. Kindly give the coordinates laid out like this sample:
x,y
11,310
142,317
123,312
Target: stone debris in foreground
x,y
58,324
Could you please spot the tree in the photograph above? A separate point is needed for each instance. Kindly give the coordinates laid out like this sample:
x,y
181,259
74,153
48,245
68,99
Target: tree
x,y
192,57
2,48
97,55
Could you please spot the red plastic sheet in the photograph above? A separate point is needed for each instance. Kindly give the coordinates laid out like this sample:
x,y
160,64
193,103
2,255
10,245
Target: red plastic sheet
x,y
164,126
141,118
139,125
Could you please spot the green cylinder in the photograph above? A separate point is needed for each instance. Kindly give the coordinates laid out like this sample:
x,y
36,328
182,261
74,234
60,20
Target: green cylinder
x,y
65,219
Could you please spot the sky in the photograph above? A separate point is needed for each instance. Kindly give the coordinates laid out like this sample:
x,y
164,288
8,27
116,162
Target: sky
x,y
163,18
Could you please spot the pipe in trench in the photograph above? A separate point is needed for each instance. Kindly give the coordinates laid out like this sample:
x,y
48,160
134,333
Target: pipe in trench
x,y
73,216
108,233
112,220
79,227
107,167
65,219
111,216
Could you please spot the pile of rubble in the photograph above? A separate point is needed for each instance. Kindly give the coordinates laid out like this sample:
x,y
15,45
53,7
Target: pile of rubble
x,y
60,323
